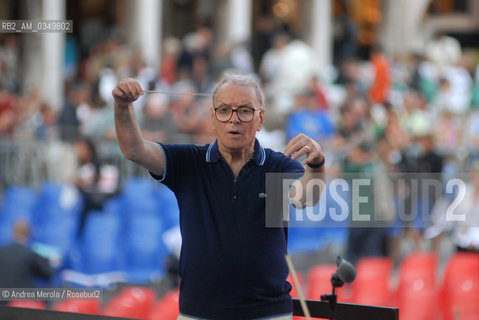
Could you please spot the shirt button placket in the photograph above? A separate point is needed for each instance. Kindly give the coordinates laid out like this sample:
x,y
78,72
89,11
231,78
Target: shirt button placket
x,y
235,190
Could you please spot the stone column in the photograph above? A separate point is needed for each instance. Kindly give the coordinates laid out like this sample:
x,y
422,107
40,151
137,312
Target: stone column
x,y
239,22
52,56
148,30
320,36
402,25
32,58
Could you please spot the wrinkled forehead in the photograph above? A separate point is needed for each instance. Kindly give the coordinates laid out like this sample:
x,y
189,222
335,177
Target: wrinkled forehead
x,y
235,94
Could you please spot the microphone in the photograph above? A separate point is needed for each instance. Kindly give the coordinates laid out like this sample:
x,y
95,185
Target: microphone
x,y
345,273
345,270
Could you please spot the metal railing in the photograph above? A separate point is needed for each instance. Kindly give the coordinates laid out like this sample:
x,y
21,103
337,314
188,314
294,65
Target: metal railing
x,y
31,162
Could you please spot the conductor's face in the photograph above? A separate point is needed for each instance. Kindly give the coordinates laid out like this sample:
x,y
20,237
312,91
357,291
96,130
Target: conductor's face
x,y
236,116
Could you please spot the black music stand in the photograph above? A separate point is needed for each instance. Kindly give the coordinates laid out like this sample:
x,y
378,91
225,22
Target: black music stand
x,y
16,313
346,311
318,309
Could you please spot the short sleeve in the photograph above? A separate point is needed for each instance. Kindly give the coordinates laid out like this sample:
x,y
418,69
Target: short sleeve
x,y
176,156
292,166
279,163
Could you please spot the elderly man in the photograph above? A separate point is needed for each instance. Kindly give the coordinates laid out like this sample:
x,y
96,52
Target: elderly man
x,y
232,266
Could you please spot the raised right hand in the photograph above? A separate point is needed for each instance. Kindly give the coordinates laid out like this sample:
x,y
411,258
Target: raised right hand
x,y
126,92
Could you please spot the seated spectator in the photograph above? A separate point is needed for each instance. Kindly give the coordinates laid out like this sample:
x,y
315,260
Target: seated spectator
x,y
379,89
169,59
307,119
365,241
271,60
183,109
319,92
157,121
96,117
67,119
465,233
96,181
428,161
448,133
443,50
471,136
19,265
7,114
355,126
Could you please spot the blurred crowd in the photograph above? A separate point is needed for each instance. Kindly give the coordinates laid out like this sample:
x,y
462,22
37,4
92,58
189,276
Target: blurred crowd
x,y
389,104
416,112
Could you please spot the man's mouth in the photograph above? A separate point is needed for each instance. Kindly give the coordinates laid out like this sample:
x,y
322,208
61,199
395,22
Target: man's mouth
x,y
234,132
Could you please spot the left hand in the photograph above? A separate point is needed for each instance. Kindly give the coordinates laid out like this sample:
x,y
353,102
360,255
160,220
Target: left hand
x,y
304,145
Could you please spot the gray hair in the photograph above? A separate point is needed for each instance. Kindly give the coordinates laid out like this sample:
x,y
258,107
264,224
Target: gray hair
x,y
242,80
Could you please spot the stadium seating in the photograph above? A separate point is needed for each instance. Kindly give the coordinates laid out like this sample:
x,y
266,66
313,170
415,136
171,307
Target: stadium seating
x,y
56,218
460,287
315,124
417,292
168,207
100,243
140,198
372,285
19,204
31,304
78,306
145,251
319,283
131,302
307,234
127,236
294,290
167,307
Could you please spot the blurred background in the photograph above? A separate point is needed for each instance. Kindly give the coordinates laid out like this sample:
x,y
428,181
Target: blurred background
x,y
387,87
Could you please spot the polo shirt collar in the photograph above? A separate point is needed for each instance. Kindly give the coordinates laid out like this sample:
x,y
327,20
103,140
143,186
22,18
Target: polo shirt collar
x,y
213,153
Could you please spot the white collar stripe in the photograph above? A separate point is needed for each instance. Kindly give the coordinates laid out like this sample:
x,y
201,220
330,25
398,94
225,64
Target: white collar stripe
x,y
208,152
263,156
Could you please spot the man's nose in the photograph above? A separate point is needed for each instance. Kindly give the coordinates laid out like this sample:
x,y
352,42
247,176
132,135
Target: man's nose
x,y
234,117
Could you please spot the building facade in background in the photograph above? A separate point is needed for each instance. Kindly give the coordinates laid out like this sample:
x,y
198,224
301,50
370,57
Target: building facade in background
x,y
330,27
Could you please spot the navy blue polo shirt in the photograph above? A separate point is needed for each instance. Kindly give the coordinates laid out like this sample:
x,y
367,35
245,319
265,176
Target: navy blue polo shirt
x,y
231,265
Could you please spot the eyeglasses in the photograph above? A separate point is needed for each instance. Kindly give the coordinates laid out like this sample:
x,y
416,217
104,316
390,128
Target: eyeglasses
x,y
245,114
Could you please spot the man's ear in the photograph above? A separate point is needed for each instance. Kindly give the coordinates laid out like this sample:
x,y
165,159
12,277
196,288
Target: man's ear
x,y
261,120
212,117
